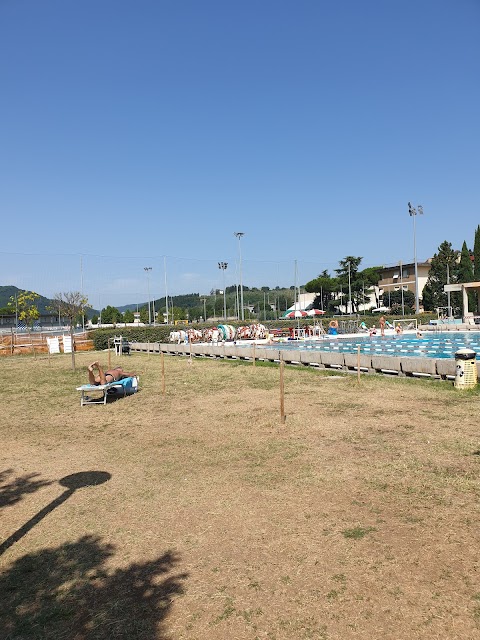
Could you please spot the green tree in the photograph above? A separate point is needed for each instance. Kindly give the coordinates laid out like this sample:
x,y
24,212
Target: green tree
x,y
433,294
324,286
369,278
476,256
465,274
24,305
111,315
465,268
395,302
349,280
128,316
95,319
178,314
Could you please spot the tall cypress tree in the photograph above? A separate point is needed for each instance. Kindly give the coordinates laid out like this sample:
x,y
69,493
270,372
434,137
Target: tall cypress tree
x,y
465,274
476,255
465,269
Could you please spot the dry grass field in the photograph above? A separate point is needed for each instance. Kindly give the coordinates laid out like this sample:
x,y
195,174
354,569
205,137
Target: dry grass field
x,y
208,519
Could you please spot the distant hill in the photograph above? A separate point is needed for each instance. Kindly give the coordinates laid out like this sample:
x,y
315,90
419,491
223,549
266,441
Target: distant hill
x,y
185,301
7,292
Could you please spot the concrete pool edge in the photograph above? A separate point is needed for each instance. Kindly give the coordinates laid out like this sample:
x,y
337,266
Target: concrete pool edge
x,y
401,366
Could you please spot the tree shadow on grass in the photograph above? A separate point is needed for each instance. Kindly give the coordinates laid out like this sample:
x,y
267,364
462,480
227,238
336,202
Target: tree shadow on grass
x,y
14,488
72,483
68,593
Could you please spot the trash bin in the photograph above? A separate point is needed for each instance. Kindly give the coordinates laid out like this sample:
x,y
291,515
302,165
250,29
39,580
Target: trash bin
x,y
466,369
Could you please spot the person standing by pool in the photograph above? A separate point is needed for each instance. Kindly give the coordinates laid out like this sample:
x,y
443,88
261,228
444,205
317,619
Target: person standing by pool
x,y
382,326
333,328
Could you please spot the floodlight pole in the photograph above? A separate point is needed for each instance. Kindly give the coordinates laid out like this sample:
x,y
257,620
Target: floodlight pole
x,y
223,266
349,290
239,235
412,212
166,289
81,290
448,292
147,271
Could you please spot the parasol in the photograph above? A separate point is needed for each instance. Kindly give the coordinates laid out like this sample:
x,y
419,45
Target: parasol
x,y
296,314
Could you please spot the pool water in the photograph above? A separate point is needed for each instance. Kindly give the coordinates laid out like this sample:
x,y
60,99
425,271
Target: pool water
x,y
435,345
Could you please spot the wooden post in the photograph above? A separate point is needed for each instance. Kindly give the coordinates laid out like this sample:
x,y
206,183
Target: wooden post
x,y
11,344
109,355
163,372
358,364
282,392
254,348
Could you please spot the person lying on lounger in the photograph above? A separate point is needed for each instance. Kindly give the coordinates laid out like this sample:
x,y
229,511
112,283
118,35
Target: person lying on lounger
x,y
112,375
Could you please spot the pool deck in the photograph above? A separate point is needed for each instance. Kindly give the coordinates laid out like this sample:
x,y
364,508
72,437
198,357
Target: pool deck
x,y
401,366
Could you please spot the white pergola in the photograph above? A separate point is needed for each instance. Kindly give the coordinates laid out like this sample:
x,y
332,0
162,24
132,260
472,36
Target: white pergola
x,y
466,288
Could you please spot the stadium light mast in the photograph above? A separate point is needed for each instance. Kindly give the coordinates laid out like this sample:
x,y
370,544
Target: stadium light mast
x,y
147,271
412,212
239,235
349,289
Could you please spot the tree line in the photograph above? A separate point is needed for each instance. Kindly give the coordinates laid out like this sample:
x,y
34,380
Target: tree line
x,y
452,266
350,287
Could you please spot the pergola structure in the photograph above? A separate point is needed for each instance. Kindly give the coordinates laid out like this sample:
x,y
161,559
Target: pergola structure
x,y
466,288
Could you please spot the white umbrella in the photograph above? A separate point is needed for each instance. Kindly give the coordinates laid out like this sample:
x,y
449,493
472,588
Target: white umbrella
x,y
315,312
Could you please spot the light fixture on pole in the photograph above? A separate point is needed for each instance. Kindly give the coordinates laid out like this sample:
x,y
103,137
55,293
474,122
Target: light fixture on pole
x,y
223,266
412,212
239,235
147,271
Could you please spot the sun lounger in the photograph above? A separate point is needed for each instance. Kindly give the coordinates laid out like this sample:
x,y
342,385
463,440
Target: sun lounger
x,y
119,389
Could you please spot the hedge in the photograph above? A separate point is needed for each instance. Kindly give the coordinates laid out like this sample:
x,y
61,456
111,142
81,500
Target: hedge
x,y
161,333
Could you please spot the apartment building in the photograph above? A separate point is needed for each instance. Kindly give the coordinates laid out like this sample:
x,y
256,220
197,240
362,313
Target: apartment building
x,y
402,276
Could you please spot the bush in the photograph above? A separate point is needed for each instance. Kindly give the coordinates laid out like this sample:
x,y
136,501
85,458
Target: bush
x,y
161,333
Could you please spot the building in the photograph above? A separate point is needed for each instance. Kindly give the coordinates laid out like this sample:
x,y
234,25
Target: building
x,y
402,276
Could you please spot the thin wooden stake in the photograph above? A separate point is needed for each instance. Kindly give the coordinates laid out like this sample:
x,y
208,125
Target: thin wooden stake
x,y
254,348
162,358
358,364
282,392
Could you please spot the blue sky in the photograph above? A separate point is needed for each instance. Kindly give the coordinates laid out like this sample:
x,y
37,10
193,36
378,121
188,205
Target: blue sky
x,y
134,131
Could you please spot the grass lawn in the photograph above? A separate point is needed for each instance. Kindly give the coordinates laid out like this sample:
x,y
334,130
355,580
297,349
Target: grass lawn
x,y
358,518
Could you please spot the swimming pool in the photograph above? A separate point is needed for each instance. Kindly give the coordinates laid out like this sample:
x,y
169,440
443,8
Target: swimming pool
x,y
435,345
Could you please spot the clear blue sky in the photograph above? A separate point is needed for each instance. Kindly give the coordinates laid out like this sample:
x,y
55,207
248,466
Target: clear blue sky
x,y
136,130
